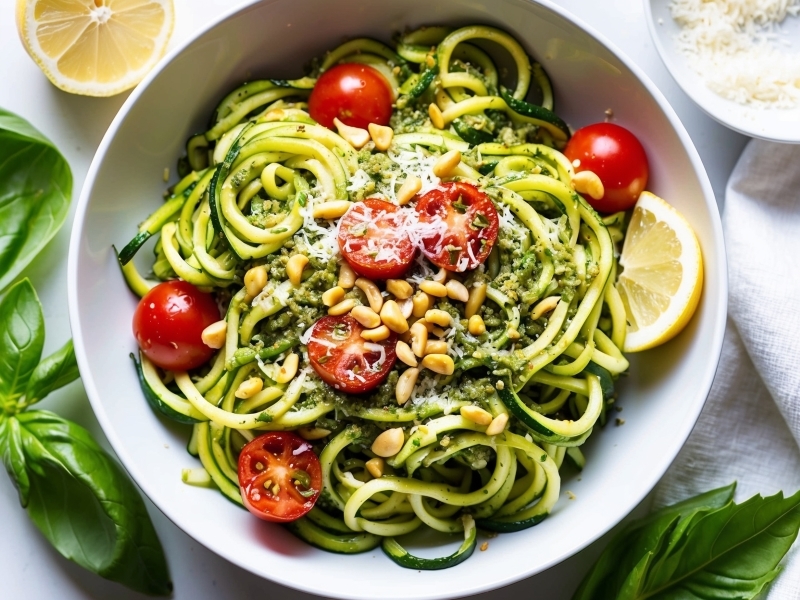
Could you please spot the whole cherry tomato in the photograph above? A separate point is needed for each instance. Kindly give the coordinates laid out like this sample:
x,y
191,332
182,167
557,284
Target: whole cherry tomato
x,y
357,94
373,241
463,226
279,476
345,360
617,157
169,322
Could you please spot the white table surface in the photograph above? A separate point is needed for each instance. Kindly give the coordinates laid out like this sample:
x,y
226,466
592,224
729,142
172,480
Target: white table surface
x,y
30,568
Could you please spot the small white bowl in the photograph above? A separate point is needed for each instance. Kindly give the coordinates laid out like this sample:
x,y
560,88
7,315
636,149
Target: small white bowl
x,y
773,124
662,397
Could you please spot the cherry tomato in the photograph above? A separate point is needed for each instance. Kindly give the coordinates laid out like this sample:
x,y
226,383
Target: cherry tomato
x,y
169,322
345,360
373,240
466,226
279,476
357,94
618,159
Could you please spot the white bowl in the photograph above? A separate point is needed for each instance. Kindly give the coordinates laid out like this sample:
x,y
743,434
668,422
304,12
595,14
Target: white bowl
x,y
773,124
662,397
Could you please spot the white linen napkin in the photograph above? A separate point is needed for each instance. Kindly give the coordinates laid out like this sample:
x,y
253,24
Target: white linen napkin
x,y
749,430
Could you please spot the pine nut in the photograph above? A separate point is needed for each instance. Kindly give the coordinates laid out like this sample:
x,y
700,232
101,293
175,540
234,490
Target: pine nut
x,y
436,116
476,297
406,308
372,292
400,288
333,296
381,135
288,369
255,279
213,336
355,136
294,268
344,307
376,335
419,338
421,304
405,385
513,334
434,288
405,354
313,433
457,290
439,317
476,414
439,363
331,210
347,277
587,182
375,465
393,318
249,388
476,326
544,307
436,347
441,275
447,163
497,425
410,188
389,443
366,316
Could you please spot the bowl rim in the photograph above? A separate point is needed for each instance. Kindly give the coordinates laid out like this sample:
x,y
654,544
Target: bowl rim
x,y
659,468
671,63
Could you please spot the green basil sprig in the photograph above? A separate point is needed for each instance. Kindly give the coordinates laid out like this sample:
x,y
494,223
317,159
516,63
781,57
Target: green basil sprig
x,y
75,493
35,190
705,547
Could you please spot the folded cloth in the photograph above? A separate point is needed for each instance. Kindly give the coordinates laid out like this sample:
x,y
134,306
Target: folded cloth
x,y
749,430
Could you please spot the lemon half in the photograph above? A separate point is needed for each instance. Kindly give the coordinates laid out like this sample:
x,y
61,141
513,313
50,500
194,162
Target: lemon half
x,y
662,273
95,47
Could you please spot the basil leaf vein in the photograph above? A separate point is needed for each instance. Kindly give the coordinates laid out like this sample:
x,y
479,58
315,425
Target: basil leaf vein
x,y
21,341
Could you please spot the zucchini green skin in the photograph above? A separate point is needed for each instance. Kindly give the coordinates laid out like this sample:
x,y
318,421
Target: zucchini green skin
x,y
136,283
488,167
304,83
425,81
244,356
509,526
155,402
471,135
517,408
527,109
606,381
347,543
401,556
576,457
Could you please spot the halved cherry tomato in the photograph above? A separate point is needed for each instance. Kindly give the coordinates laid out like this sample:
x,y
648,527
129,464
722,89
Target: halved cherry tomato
x,y
357,94
345,360
169,322
279,476
465,225
617,157
373,240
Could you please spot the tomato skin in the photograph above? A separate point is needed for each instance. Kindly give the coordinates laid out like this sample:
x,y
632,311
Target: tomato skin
x,y
358,242
169,322
335,365
617,157
355,93
460,206
284,457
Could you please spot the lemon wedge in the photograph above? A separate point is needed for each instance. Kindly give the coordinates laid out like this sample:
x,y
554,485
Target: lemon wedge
x,y
95,47
662,273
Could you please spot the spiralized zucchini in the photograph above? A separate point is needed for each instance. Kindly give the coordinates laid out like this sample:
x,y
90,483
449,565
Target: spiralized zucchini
x,y
554,324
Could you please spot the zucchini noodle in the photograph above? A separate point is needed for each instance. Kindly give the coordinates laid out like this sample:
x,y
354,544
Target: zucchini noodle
x,y
541,367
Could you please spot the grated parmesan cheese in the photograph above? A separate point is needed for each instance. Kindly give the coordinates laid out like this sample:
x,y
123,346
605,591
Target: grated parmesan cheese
x,y
734,45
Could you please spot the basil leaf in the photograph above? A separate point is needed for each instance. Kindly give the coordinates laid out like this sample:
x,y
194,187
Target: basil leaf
x,y
35,190
13,457
21,341
706,547
55,371
85,505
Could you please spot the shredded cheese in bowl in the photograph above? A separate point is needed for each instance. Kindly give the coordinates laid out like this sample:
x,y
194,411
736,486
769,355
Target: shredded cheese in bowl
x,y
738,48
